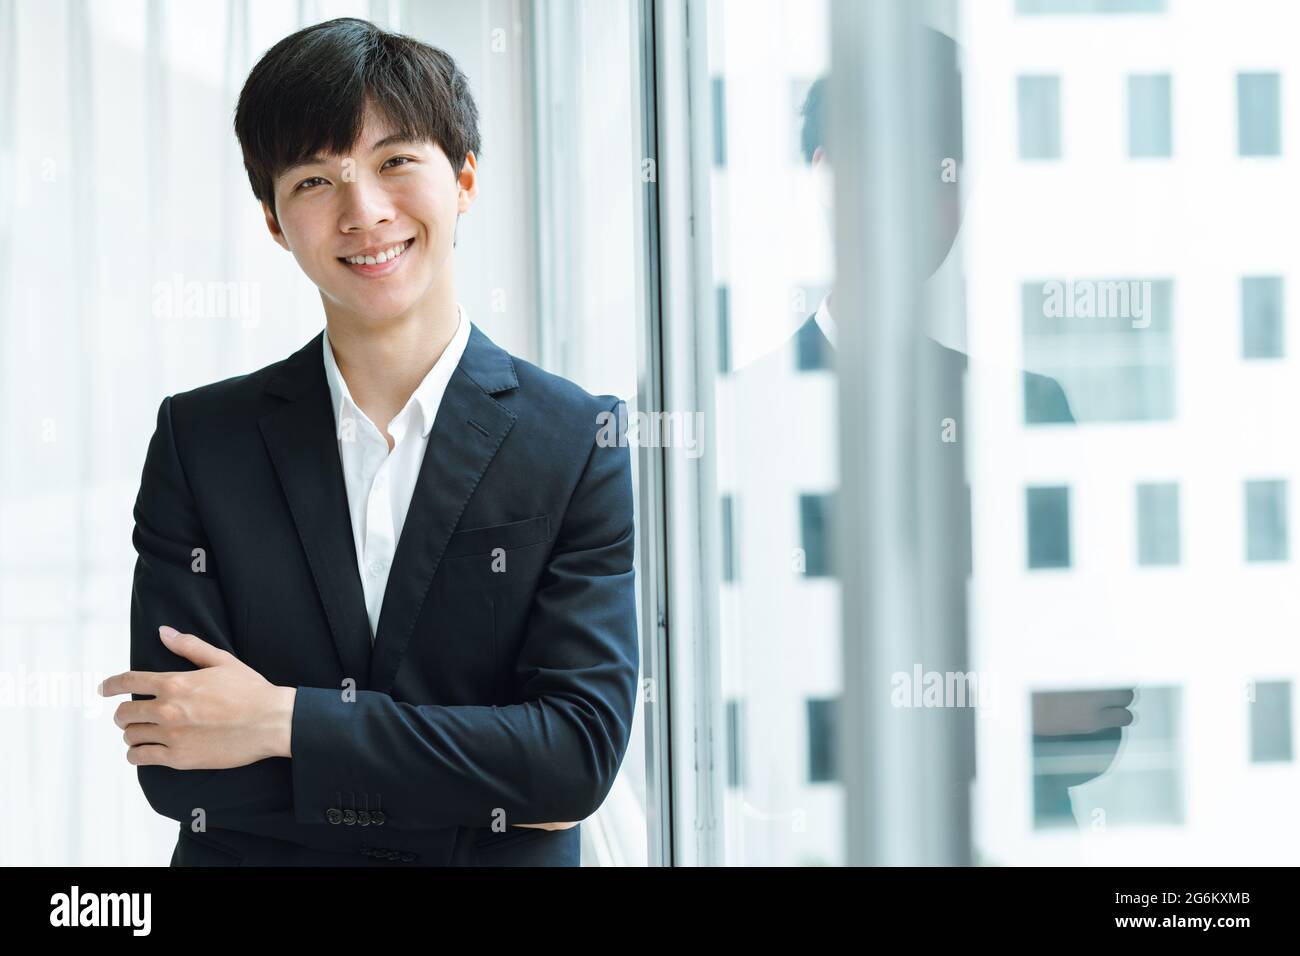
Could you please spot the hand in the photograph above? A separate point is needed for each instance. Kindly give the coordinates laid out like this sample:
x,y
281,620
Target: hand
x,y
222,715
1080,711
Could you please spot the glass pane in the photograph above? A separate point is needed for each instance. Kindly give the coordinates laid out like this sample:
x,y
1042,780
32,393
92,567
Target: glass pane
x,y
1157,523
1270,723
587,268
1140,624
775,407
1149,121
1040,116
1262,318
1259,121
1266,527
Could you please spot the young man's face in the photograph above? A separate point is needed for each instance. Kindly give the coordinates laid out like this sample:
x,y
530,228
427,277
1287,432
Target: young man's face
x,y
398,199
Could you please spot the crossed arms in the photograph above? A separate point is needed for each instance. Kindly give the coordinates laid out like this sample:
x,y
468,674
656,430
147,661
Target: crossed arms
x,y
268,760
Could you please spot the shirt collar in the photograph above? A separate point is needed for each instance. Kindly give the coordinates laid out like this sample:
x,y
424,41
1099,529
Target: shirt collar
x,y
427,395
824,319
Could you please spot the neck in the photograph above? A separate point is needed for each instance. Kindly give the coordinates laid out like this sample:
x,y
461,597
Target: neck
x,y
383,363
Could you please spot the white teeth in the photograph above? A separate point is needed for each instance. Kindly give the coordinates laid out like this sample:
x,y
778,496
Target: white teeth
x,y
384,256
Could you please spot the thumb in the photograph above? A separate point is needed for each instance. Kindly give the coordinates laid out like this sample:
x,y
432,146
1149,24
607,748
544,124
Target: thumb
x,y
191,647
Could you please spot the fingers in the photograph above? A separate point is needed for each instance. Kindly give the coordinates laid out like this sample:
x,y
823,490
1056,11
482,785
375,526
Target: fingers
x,y
136,734
192,647
137,712
148,755
133,682
1115,717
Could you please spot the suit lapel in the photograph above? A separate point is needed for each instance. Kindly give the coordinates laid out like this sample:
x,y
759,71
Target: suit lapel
x,y
301,438
467,431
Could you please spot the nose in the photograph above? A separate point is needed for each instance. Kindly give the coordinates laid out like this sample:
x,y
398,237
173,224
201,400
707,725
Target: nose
x,y
365,206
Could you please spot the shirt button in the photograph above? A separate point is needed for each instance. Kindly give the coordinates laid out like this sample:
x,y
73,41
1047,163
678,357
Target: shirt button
x,y
377,568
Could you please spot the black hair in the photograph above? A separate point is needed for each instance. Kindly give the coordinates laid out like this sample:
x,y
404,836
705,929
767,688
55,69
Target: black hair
x,y
307,95
946,119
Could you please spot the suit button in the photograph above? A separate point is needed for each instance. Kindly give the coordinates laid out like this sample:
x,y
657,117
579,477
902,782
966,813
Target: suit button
x,y
378,818
349,817
363,817
334,815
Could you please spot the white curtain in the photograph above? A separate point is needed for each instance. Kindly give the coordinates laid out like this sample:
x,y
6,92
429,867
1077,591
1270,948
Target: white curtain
x,y
134,264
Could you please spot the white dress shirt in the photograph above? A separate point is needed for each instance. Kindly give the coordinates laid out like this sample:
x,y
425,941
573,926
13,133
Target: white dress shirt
x,y
379,481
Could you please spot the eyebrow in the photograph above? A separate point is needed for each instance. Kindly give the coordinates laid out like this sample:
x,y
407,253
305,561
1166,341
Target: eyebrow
x,y
392,139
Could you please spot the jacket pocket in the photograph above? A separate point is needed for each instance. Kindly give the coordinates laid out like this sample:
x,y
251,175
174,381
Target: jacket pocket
x,y
513,534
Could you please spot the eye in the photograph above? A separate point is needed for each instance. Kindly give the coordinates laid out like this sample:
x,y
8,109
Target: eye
x,y
305,182
404,159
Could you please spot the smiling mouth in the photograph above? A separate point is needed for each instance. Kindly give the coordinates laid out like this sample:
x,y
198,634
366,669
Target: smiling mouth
x,y
383,263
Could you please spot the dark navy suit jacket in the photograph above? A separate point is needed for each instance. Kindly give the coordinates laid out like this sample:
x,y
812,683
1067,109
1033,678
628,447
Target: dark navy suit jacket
x,y
489,698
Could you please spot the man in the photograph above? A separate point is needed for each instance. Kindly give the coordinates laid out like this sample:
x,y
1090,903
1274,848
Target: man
x,y
383,611
1078,728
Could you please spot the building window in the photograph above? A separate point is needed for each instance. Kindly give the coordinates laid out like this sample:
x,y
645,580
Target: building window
x,y
1143,787
815,516
729,554
1048,515
1157,524
1107,342
1261,317
822,741
724,329
1266,537
1270,722
1150,123
735,743
1259,114
719,122
1038,100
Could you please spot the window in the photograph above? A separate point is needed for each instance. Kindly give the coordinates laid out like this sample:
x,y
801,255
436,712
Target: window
x,y
1039,108
1048,514
724,329
729,551
735,743
822,741
1141,788
1259,114
1108,343
1266,518
1262,321
815,534
1270,722
1157,524
770,571
1150,130
719,121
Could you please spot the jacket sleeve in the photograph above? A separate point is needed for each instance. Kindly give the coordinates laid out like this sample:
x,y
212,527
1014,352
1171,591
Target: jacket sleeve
x,y
550,757
177,582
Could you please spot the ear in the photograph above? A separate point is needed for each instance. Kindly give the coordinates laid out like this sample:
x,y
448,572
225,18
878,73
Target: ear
x,y
468,183
273,225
